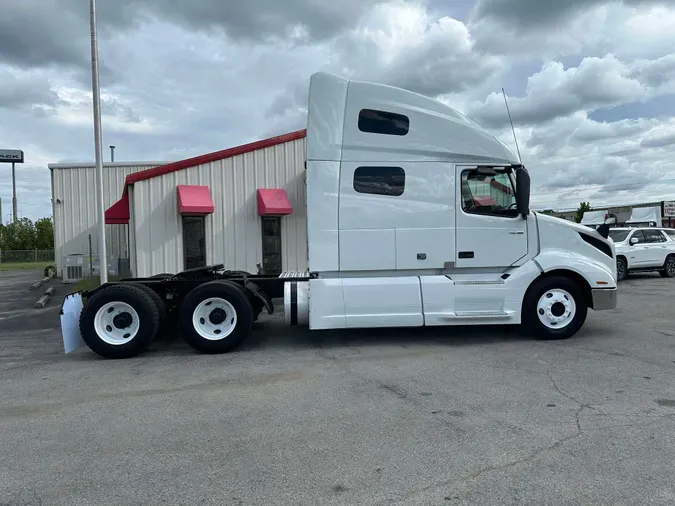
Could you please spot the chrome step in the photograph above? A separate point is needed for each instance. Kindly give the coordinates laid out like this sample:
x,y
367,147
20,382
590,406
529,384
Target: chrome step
x,y
479,282
481,314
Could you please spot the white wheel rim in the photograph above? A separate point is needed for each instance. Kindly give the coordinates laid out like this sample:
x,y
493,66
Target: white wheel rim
x,y
116,323
556,308
214,319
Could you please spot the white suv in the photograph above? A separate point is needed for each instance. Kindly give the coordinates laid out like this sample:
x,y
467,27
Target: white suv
x,y
644,249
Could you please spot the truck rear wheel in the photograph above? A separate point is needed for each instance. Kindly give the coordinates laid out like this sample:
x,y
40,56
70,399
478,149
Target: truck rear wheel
x,y
119,321
554,308
158,301
216,317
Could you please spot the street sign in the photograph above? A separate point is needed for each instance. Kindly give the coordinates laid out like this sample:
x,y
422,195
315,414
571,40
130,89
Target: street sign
x,y
11,156
669,209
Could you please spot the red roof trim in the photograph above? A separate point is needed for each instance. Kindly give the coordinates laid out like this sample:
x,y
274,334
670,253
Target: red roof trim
x,y
212,157
208,158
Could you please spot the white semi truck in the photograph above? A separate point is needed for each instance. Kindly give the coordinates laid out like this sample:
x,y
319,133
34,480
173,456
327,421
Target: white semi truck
x,y
416,216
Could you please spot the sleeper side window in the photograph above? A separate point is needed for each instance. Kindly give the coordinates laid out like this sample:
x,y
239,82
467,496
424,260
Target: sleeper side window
x,y
382,122
488,194
388,181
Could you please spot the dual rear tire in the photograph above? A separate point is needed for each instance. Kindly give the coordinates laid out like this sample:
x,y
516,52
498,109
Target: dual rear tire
x,y
121,320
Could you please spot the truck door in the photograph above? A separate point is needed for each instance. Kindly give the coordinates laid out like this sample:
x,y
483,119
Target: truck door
x,y
489,232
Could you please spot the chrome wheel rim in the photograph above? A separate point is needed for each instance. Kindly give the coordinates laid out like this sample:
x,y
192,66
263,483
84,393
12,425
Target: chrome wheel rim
x,y
214,319
116,323
556,308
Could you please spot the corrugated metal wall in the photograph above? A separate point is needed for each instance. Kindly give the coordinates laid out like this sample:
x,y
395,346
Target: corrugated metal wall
x,y
233,232
75,215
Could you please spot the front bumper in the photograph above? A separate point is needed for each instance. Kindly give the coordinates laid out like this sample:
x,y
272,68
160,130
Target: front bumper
x,y
604,298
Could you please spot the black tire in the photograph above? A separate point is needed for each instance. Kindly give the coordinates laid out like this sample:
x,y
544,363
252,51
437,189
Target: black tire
x,y
621,268
668,270
148,320
159,303
236,296
530,318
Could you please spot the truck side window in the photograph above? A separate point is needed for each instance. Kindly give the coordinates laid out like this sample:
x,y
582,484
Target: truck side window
x,y
490,195
380,180
382,122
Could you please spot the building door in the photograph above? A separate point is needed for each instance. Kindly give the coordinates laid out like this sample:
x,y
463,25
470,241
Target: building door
x,y
194,242
271,244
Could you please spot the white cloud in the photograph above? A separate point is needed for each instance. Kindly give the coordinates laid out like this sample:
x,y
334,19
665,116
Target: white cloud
x,y
184,81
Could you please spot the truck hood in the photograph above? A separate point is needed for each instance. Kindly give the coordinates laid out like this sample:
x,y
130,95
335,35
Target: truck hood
x,y
565,241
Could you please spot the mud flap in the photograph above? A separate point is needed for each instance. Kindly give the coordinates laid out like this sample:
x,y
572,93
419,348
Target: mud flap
x,y
70,322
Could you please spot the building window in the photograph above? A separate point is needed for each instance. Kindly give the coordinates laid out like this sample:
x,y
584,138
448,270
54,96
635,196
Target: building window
x,y
271,244
489,194
381,122
380,180
194,242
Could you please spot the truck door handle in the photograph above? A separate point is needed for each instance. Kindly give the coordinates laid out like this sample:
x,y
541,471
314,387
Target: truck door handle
x,y
516,232
465,254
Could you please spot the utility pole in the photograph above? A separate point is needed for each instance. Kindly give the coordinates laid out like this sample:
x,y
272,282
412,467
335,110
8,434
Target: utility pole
x,y
98,144
14,190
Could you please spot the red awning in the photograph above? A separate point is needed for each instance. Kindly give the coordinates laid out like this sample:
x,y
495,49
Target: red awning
x,y
194,200
118,213
273,202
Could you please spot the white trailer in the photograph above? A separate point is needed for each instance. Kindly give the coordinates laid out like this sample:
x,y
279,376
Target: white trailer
x,y
645,217
595,219
416,216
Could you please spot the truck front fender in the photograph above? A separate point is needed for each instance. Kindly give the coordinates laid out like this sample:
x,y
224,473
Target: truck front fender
x,y
596,274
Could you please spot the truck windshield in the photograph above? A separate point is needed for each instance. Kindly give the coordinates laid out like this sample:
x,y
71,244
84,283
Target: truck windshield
x,y
618,235
488,194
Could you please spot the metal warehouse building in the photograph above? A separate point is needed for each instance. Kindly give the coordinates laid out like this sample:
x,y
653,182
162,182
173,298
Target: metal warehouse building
x,y
74,207
239,207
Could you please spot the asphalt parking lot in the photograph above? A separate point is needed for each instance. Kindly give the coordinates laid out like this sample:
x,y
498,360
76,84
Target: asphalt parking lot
x,y
445,416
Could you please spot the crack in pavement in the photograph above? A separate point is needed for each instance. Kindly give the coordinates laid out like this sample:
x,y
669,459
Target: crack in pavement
x,y
500,467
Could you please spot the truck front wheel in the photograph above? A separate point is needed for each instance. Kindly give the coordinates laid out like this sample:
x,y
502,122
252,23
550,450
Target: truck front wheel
x,y
554,308
216,317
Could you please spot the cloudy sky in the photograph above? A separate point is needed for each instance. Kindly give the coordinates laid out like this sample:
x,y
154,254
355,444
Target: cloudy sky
x,y
591,83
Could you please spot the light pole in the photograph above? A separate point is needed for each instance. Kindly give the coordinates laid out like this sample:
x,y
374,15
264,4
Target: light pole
x,y
98,144
12,156
112,154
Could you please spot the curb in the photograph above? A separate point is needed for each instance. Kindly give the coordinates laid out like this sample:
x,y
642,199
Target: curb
x,y
44,300
38,284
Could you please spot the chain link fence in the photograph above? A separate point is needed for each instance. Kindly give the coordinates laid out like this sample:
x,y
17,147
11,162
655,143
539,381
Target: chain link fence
x,y
26,256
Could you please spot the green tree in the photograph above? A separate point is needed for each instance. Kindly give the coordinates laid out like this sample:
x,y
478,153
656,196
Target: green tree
x,y
26,235
583,207
44,233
